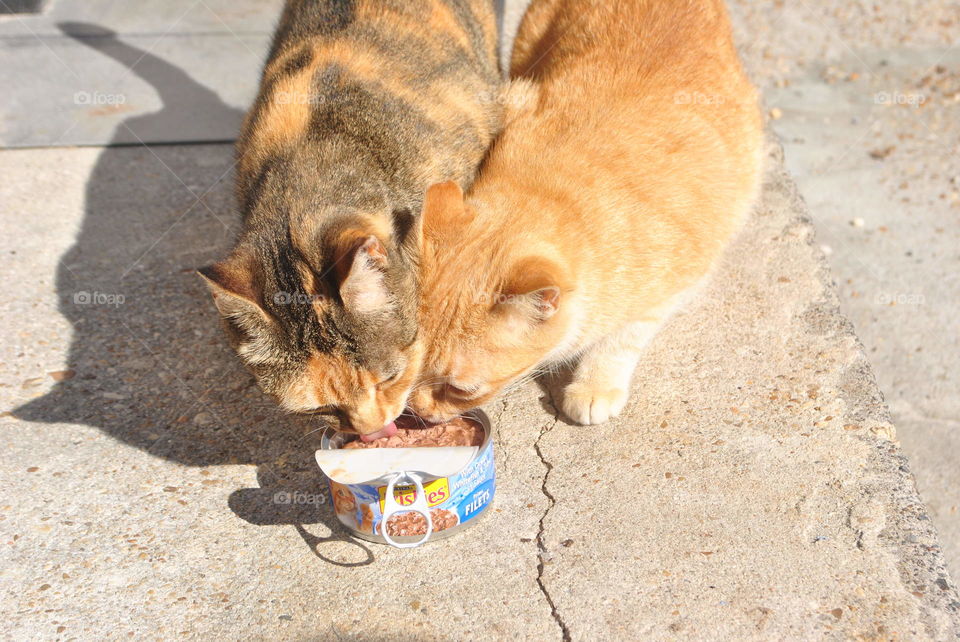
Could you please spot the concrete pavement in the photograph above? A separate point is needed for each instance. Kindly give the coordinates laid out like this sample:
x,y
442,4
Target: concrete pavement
x,y
753,488
84,69
866,97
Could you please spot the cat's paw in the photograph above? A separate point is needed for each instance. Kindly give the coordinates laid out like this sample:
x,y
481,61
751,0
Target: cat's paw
x,y
590,405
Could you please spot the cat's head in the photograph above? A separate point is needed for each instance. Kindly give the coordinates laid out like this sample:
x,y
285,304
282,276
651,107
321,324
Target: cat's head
x,y
324,315
491,310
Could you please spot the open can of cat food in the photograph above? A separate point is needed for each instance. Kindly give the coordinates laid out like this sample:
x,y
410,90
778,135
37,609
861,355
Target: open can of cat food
x,y
408,496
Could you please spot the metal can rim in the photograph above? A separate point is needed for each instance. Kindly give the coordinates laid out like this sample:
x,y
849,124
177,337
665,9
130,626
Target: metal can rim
x,y
478,415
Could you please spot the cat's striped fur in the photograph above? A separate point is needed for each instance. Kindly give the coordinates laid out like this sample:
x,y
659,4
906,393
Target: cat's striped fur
x,y
363,104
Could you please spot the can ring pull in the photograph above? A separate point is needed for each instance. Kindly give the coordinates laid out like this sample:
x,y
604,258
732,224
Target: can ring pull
x,y
391,508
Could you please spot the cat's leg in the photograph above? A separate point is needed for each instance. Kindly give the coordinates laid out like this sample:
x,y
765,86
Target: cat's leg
x,y
601,379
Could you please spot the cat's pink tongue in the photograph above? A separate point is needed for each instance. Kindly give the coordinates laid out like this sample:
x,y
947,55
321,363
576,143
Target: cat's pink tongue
x,y
387,431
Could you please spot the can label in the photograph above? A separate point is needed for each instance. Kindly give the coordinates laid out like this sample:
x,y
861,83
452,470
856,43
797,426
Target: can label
x,y
453,500
437,492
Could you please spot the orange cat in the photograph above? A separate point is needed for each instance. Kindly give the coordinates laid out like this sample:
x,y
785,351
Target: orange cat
x,y
632,155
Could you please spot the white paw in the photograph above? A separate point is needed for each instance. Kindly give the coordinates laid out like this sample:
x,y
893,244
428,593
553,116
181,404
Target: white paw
x,y
590,405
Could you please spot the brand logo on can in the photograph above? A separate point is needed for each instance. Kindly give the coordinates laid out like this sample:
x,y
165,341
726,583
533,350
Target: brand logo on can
x,y
437,491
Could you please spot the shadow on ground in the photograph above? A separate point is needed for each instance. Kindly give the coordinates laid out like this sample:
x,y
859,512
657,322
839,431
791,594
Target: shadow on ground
x,y
151,367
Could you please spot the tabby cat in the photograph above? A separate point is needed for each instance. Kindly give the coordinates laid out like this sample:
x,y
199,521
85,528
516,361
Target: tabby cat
x,y
363,104
633,156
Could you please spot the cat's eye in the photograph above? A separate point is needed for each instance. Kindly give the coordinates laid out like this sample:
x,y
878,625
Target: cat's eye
x,y
464,392
390,379
323,411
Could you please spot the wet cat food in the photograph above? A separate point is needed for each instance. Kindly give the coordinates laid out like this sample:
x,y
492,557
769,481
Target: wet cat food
x,y
456,432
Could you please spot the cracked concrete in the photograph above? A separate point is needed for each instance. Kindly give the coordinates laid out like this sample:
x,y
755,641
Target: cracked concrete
x,y
541,547
753,488
750,490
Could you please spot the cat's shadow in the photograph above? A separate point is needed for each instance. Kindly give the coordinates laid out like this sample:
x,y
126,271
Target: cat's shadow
x,y
551,384
151,367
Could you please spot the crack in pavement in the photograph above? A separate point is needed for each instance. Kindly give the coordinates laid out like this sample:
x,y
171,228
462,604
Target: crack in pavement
x,y
541,547
498,439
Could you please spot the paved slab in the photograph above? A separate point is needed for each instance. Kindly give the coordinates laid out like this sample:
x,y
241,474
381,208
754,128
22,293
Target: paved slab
x,y
753,486
81,71
145,17
867,95
890,217
750,490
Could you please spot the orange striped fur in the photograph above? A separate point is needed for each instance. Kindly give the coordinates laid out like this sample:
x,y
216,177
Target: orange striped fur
x,y
631,156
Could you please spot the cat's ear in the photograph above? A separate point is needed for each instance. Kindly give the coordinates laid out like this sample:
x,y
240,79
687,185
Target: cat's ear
x,y
443,205
531,293
534,306
233,284
361,274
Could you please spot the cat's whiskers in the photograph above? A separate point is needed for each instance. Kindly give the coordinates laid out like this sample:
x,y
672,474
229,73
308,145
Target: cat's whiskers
x,y
418,418
424,384
305,435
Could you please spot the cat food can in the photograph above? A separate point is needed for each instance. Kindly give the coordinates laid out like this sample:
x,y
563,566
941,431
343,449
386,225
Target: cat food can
x,y
415,505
